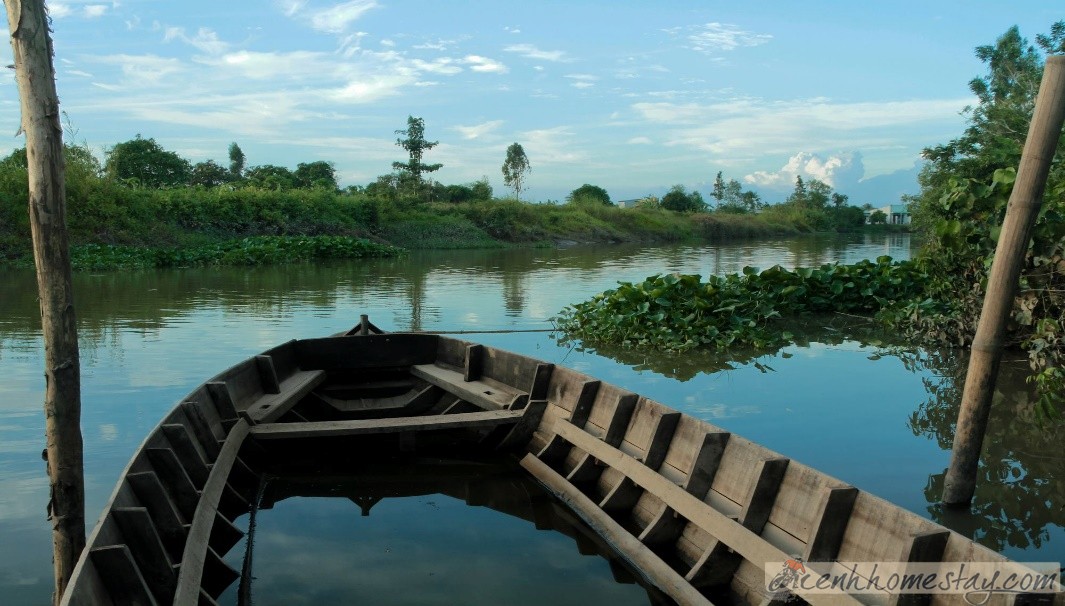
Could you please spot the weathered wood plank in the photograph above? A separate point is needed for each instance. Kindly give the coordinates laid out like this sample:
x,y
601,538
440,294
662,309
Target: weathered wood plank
x,y
661,437
834,513
619,423
472,364
348,353
217,575
224,535
271,407
147,549
223,401
522,431
120,573
187,452
540,382
168,521
268,374
201,428
922,547
196,547
752,547
484,395
718,563
275,431
643,560
623,496
177,482
420,402
556,448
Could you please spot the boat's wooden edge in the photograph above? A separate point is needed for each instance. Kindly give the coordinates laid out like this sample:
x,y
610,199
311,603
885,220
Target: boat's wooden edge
x,y
196,553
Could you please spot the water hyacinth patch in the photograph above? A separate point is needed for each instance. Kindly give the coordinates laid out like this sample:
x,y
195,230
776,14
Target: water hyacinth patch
x,y
680,312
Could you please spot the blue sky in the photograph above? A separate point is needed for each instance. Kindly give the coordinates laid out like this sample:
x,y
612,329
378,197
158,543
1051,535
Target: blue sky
x,y
631,96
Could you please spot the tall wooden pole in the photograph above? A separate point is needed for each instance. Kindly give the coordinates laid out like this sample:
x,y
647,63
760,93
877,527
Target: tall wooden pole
x,y
1021,213
31,44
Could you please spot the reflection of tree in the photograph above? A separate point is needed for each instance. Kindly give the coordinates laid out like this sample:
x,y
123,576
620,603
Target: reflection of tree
x,y
829,330
1021,489
514,293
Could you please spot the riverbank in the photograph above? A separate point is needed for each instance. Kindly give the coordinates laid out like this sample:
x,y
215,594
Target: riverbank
x,y
113,226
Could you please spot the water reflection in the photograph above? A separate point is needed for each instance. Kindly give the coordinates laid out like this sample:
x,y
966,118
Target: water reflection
x,y
402,523
1020,493
149,336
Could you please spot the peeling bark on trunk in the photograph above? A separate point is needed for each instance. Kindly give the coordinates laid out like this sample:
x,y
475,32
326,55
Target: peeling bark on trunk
x,y
32,47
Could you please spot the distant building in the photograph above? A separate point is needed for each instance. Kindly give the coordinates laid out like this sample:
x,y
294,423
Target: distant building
x,y
627,203
896,214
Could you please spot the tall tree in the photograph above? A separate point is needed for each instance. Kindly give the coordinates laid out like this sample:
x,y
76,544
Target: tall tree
x,y
320,174
31,45
591,193
414,142
516,168
208,174
146,162
718,193
236,160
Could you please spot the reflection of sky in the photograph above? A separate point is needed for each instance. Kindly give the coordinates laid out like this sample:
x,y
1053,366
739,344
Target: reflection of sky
x,y
417,550
149,337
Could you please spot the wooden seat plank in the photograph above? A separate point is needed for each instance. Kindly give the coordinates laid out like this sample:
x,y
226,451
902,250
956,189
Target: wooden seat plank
x,y
471,420
489,397
750,545
270,407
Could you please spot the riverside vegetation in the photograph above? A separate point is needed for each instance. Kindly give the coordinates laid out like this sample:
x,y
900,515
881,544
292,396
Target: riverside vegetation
x,y
935,298
149,207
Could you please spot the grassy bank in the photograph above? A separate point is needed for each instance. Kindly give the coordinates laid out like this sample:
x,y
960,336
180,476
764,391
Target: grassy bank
x,y
112,225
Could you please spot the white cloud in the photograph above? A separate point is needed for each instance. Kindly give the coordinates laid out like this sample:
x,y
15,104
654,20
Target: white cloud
x,y
716,37
205,40
478,63
530,51
582,81
552,146
478,130
143,69
842,171
750,127
639,141
335,19
92,11
512,30
58,10
441,65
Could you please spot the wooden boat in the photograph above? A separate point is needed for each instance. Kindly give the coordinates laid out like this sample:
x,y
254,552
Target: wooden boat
x,y
694,512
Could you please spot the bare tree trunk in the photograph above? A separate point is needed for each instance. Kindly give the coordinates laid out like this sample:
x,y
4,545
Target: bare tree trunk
x,y
1021,214
31,44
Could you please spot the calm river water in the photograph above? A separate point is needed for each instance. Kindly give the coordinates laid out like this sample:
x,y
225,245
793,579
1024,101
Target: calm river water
x,y
877,417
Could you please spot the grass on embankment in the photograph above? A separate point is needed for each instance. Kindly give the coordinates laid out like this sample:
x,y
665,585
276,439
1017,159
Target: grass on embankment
x,y
114,226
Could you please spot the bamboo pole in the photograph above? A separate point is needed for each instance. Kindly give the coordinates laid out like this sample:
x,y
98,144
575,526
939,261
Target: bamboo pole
x,y
31,44
1021,214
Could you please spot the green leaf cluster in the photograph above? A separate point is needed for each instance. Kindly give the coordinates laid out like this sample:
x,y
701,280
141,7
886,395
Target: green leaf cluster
x,y
682,312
